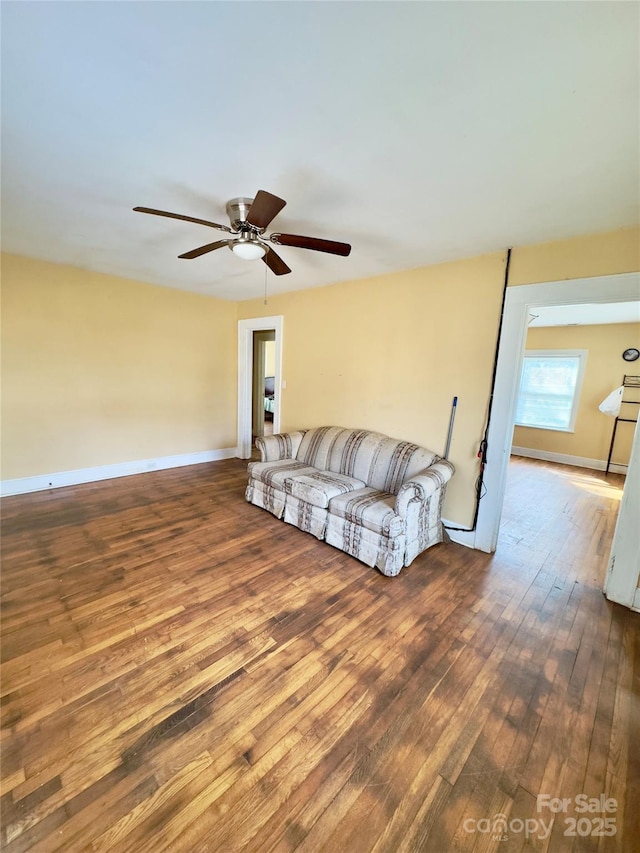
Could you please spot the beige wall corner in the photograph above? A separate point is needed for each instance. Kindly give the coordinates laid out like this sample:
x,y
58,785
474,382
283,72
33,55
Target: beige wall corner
x,y
98,370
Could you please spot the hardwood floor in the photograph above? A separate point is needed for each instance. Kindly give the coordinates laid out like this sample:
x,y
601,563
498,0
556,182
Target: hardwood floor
x,y
183,672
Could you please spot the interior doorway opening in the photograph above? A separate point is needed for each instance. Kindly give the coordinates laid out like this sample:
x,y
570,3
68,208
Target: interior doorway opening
x,y
519,303
263,382
251,396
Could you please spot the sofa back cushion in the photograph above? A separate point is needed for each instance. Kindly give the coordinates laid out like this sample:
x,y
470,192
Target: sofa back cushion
x,y
382,462
323,446
396,461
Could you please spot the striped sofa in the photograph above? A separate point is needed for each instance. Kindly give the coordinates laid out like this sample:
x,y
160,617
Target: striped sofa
x,y
377,498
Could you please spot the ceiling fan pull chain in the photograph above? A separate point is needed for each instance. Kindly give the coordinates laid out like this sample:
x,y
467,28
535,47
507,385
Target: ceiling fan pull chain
x,y
265,285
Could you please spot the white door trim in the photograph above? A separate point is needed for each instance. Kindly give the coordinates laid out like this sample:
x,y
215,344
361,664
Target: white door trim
x,y
623,570
246,328
518,303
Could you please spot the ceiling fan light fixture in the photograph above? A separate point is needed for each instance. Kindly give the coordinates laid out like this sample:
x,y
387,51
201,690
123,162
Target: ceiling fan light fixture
x,y
248,250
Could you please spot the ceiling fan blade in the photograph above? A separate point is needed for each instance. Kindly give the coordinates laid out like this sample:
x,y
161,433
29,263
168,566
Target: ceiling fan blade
x,y
275,263
265,207
180,216
315,243
210,247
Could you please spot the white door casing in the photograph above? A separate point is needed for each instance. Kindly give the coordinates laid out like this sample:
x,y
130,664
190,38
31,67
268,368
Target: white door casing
x,y
623,571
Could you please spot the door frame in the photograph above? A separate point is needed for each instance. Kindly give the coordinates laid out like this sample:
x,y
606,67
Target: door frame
x,y
246,328
519,301
623,571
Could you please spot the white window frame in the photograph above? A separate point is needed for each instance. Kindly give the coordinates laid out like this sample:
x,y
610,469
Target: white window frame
x,y
581,355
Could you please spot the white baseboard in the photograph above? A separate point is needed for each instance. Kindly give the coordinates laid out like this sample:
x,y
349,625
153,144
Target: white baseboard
x,y
565,459
41,482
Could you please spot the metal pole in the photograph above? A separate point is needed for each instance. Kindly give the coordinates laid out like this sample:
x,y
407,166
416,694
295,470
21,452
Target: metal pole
x,y
449,434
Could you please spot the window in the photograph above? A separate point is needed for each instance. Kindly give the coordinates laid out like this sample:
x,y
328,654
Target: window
x,y
550,389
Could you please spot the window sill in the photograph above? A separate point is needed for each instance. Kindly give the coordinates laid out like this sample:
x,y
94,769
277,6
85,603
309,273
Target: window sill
x,y
547,428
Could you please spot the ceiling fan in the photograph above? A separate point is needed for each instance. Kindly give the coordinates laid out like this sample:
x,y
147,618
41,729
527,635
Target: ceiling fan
x,y
249,218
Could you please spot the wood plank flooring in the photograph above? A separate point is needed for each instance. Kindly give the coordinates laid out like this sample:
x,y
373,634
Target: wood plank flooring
x,y
183,672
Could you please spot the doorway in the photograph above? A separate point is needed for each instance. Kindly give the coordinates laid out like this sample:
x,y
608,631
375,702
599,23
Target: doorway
x,y
248,396
263,382
520,301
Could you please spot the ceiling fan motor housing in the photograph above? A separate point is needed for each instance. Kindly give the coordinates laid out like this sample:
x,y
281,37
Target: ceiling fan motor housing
x,y
237,211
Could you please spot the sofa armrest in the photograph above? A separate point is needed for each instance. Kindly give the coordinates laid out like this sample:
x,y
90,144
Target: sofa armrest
x,y
283,445
421,486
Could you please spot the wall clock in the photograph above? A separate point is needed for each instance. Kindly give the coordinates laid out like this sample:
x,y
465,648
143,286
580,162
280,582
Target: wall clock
x,y
631,354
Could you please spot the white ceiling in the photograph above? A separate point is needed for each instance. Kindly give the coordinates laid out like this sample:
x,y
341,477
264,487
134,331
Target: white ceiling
x,y
586,315
417,131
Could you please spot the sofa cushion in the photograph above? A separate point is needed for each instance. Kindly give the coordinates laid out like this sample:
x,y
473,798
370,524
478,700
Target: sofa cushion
x,y
275,473
394,462
319,487
371,508
379,461
319,445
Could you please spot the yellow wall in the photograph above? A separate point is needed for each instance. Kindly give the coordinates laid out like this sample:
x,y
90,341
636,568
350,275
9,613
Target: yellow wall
x,y
390,353
603,372
99,370
269,358
611,253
